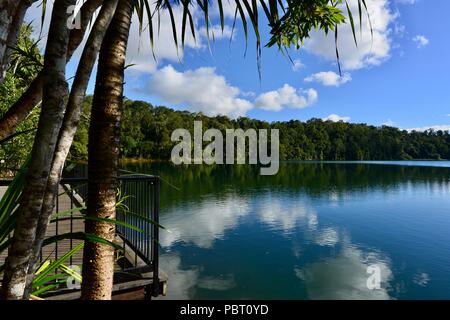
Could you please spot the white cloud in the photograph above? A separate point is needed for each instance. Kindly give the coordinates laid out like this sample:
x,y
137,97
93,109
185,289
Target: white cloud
x,y
216,32
407,1
229,9
370,52
329,78
200,89
443,127
139,50
286,96
203,90
336,118
297,65
421,41
389,123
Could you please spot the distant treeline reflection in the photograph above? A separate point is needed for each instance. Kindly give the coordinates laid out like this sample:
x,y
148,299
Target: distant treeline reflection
x,y
316,179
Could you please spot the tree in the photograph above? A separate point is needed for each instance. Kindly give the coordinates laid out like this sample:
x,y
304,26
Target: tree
x,y
69,126
33,95
98,259
12,13
55,90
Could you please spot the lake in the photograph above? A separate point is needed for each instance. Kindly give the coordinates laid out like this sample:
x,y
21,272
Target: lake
x,y
316,230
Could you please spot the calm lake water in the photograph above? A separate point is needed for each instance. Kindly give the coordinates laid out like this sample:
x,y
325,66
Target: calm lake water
x,y
310,232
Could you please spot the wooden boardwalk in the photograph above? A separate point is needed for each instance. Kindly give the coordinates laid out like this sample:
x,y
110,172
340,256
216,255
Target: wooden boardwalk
x,y
54,251
127,286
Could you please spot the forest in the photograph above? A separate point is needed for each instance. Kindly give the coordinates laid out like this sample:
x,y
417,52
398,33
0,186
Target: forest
x,y
146,131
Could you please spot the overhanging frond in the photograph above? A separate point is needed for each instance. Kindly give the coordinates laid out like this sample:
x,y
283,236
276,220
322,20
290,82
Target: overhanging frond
x,y
290,22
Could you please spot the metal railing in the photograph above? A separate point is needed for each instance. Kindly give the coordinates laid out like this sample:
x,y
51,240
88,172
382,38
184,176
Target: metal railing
x,y
140,208
139,195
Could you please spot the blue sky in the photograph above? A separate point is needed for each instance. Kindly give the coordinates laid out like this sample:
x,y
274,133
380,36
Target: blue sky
x,y
399,78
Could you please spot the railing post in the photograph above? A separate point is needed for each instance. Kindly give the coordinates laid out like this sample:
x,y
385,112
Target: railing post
x,y
155,239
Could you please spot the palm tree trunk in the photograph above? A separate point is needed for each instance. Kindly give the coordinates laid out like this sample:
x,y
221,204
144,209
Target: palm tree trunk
x,y
69,126
33,95
103,148
12,13
54,93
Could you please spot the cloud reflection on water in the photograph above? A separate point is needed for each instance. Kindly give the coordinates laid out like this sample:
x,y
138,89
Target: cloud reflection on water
x,y
345,276
183,282
342,275
203,223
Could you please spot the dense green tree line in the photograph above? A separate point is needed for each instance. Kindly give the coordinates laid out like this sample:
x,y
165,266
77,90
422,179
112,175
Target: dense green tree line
x,y
146,132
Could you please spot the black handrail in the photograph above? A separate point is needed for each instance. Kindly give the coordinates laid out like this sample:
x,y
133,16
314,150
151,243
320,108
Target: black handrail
x,y
142,192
